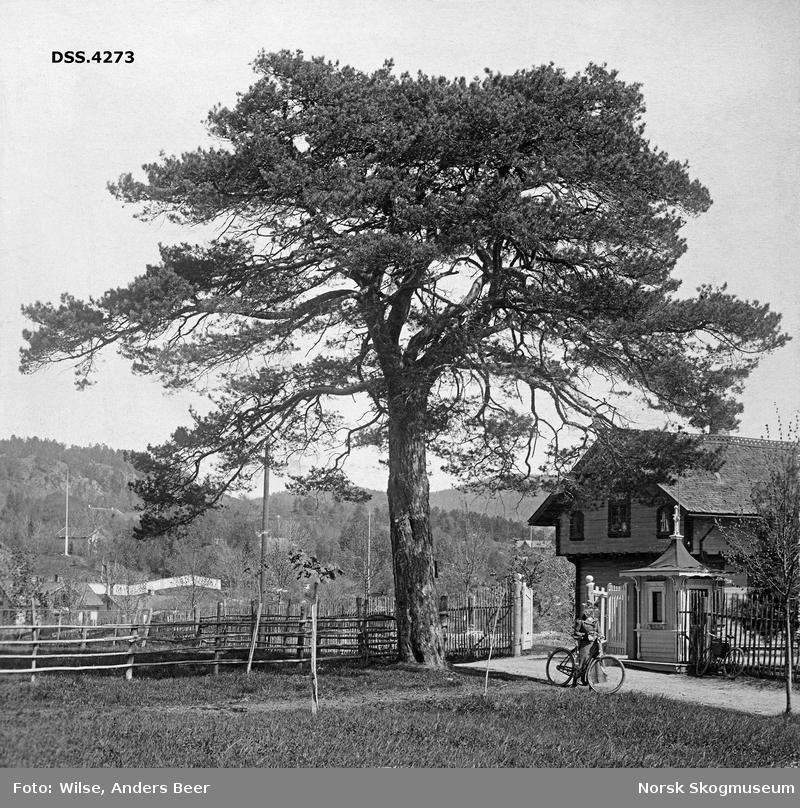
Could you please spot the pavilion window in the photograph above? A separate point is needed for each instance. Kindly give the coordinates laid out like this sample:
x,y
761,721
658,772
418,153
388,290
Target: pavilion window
x,y
657,606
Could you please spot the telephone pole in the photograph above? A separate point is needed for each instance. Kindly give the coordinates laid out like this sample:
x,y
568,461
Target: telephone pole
x,y
368,576
262,578
66,518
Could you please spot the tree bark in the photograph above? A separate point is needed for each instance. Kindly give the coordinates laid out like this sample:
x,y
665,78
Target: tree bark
x,y
419,633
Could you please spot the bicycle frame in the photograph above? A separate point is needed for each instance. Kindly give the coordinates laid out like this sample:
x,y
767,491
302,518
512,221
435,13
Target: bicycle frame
x,y
563,667
720,654
597,649
719,647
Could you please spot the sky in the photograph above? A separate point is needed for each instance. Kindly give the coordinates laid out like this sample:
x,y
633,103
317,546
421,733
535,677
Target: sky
x,y
721,82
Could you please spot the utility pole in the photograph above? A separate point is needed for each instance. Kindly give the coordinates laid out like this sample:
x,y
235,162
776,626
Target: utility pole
x,y
368,576
66,518
262,579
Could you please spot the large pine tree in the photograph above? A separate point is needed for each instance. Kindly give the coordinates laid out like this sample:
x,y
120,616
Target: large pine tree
x,y
479,264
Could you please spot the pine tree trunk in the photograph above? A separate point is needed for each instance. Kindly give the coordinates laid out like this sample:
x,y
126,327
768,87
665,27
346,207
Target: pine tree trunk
x,y
419,632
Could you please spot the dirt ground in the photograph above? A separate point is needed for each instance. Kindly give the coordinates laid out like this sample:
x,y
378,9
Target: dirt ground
x,y
757,696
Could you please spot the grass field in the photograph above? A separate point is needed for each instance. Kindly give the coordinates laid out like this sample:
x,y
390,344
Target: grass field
x,y
381,716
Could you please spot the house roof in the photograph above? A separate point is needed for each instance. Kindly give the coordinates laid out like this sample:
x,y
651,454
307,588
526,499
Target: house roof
x,y
549,509
728,491
725,492
86,596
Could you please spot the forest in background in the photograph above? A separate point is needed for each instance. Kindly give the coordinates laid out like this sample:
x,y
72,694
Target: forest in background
x,y
477,538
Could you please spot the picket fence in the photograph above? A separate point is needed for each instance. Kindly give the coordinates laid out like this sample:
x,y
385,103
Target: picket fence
x,y
755,625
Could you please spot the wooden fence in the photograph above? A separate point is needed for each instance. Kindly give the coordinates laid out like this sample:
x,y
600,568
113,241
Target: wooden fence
x,y
755,625
472,623
36,649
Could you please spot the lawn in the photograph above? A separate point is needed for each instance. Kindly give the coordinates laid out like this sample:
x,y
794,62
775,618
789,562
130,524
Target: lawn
x,y
380,716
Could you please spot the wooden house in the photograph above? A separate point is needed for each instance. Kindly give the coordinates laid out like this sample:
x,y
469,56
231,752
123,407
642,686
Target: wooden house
x,y
617,534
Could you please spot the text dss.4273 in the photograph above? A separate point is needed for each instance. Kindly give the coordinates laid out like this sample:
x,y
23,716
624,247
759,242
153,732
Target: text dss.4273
x,y
85,57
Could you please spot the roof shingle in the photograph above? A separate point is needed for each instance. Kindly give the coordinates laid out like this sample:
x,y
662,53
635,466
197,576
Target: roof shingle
x,y
745,461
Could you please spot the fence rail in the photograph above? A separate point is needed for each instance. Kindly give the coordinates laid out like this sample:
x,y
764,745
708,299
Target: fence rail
x,y
38,649
756,626
473,624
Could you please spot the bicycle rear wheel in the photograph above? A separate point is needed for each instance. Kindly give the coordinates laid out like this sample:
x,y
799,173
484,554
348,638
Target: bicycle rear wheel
x,y
704,663
733,664
605,674
560,667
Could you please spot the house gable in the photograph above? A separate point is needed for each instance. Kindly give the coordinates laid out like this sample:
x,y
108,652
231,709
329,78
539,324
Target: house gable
x,y
704,496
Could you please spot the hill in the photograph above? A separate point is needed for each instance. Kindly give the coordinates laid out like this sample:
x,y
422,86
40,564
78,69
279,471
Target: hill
x,y
470,530
506,504
33,490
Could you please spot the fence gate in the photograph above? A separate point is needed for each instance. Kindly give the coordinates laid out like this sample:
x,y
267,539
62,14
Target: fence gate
x,y
694,606
616,619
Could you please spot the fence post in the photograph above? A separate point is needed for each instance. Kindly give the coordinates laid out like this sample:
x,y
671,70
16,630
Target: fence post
x,y
588,593
363,639
131,647
147,617
217,638
444,617
516,615
286,628
34,652
470,611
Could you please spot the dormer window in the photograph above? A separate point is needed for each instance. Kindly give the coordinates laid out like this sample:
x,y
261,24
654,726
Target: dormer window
x,y
576,526
619,515
665,521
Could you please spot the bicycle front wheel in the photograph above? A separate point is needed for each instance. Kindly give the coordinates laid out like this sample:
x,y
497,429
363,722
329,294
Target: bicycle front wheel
x,y
560,667
605,674
734,663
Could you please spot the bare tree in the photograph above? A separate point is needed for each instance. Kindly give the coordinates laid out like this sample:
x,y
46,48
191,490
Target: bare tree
x,y
466,556
767,546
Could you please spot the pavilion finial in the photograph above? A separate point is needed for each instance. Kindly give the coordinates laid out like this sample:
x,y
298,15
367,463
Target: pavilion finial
x,y
676,517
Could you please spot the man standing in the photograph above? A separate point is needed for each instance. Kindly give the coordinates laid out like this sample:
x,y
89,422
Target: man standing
x,y
584,631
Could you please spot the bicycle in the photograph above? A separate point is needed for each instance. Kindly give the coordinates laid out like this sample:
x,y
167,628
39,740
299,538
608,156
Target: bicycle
x,y
602,672
721,655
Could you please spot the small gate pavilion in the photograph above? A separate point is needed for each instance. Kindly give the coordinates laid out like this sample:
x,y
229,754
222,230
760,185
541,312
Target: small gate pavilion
x,y
673,596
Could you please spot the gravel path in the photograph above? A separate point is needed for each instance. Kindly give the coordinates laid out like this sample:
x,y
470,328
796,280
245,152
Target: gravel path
x,y
757,696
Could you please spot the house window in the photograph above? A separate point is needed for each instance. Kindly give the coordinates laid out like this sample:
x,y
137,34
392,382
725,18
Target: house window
x,y
665,521
657,605
576,526
619,515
